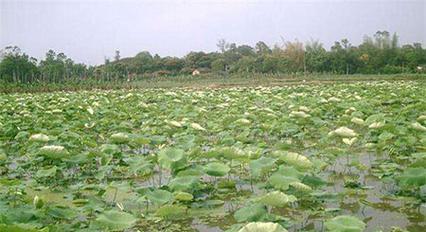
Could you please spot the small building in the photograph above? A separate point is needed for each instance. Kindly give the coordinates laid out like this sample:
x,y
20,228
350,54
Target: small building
x,y
195,72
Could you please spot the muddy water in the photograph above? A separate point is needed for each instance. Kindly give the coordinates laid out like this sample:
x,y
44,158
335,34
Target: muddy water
x,y
372,202
375,204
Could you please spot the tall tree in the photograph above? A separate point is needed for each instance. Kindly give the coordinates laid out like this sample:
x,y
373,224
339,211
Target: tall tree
x,y
17,66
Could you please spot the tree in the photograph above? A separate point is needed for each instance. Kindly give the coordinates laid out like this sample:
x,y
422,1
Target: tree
x,y
262,49
245,50
245,65
294,54
218,65
315,57
16,66
53,66
173,64
117,55
222,45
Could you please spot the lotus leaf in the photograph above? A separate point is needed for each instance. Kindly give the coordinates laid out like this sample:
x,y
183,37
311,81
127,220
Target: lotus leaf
x,y
262,227
345,224
114,220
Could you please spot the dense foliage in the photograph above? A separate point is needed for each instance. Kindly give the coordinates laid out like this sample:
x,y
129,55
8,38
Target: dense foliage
x,y
337,157
378,55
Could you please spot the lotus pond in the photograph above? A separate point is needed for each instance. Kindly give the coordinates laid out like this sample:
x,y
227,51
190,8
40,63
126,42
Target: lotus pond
x,y
334,157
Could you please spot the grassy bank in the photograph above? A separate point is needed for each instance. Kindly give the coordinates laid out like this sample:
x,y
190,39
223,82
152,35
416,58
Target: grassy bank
x,y
201,81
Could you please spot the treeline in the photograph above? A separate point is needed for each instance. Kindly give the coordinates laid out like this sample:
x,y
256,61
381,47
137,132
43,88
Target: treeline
x,y
379,54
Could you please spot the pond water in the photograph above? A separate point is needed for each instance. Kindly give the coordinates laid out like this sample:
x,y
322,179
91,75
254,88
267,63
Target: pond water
x,y
373,203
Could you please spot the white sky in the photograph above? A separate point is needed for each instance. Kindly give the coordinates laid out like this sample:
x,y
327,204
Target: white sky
x,y
87,31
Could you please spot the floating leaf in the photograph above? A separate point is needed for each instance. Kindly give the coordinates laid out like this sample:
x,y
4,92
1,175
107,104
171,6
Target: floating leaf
x,y
253,212
120,138
261,166
183,196
376,125
413,177
294,159
345,224
46,172
172,158
90,110
183,183
282,178
197,126
115,220
357,121
276,199
39,138
243,121
171,211
20,228
173,123
159,196
348,141
262,227
110,149
421,118
301,187
344,132
417,126
217,169
38,202
53,151
299,114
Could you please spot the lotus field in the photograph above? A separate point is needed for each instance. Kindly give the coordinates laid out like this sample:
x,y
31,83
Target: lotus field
x,y
326,157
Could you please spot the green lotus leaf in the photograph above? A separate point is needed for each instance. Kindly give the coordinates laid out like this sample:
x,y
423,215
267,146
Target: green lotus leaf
x,y
376,125
417,126
299,114
301,187
343,132
46,172
197,126
386,136
217,169
243,121
171,212
173,123
22,135
276,199
114,220
109,149
159,196
140,165
252,212
61,212
285,176
39,138
21,228
294,159
261,166
53,152
421,118
120,138
345,224
358,121
3,156
171,158
183,196
38,202
413,177
262,227
183,183
348,141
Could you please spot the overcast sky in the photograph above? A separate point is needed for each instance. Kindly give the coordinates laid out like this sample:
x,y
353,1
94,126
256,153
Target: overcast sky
x,y
89,30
